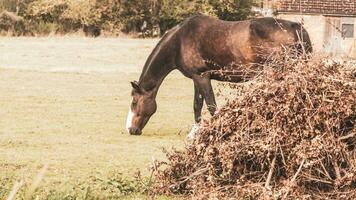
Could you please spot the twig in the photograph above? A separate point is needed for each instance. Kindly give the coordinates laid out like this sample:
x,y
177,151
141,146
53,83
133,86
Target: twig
x,y
300,40
269,177
14,190
293,179
299,169
152,171
317,180
36,182
337,170
347,136
325,171
282,154
196,173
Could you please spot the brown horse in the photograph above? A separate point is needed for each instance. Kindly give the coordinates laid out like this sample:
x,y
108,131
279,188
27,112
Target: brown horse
x,y
194,45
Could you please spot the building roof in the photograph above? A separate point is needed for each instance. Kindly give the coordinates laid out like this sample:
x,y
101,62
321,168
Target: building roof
x,y
325,7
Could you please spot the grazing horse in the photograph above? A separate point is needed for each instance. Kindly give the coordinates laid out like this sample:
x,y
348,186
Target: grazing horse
x,y
201,44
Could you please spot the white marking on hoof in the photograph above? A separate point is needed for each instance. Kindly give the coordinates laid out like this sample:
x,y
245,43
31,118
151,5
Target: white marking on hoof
x,y
193,132
129,119
217,111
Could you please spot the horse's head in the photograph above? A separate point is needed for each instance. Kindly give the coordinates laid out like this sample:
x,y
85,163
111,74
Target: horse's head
x,y
142,107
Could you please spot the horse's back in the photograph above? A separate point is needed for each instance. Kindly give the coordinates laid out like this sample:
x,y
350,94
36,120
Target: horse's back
x,y
267,28
270,33
203,38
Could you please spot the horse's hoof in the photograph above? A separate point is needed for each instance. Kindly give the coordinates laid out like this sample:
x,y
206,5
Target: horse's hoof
x,y
193,132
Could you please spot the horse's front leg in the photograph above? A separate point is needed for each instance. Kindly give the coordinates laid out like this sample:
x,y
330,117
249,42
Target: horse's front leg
x,y
203,90
198,105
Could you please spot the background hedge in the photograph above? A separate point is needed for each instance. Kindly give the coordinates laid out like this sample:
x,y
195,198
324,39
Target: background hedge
x,y
112,17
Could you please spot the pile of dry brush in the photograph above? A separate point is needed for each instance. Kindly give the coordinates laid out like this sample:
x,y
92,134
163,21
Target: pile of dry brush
x,y
290,135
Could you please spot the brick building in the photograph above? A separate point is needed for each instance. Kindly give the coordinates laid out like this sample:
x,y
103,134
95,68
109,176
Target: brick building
x,y
331,23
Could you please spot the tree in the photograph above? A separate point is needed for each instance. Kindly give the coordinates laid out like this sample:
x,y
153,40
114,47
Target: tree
x,y
232,10
149,17
173,12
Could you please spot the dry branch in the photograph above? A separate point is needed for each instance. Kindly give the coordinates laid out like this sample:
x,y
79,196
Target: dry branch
x,y
294,112
268,180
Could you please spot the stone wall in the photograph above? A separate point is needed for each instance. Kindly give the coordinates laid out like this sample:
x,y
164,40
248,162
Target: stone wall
x,y
325,33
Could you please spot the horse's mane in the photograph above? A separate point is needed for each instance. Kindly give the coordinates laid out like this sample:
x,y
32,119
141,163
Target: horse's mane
x,y
165,40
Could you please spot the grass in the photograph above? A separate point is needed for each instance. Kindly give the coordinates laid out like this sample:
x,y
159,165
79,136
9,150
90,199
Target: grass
x,y
59,109
75,124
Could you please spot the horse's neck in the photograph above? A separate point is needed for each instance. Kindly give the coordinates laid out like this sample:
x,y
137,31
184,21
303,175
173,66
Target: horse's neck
x,y
159,64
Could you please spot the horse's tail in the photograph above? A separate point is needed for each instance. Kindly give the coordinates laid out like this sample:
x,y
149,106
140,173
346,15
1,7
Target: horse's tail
x,y
302,39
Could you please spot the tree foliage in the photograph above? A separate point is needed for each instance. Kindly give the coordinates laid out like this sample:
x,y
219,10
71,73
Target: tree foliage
x,y
149,17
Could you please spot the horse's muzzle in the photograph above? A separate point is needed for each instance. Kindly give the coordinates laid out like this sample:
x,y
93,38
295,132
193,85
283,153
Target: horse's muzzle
x,y
135,131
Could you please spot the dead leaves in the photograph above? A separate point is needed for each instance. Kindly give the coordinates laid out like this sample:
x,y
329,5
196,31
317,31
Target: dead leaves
x,y
291,135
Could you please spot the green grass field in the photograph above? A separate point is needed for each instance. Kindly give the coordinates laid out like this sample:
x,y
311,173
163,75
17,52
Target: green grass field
x,y
64,102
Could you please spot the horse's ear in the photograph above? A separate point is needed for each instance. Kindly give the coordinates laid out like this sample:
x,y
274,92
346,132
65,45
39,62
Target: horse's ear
x,y
136,87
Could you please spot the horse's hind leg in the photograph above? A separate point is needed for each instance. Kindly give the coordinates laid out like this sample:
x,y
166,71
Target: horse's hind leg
x,y
205,88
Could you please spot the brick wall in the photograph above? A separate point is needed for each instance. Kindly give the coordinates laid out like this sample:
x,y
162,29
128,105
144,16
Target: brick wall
x,y
331,7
